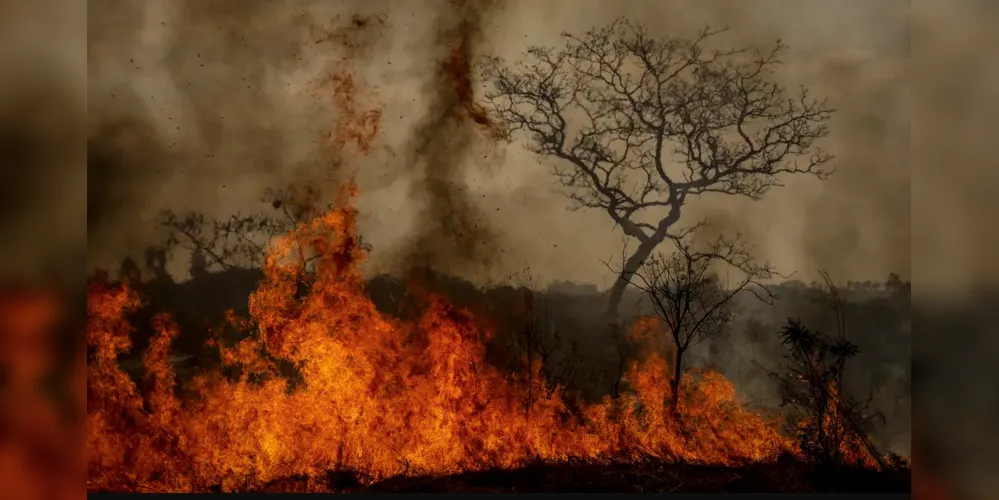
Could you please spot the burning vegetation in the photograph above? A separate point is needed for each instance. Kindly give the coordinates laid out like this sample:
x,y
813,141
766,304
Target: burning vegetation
x,y
315,383
370,394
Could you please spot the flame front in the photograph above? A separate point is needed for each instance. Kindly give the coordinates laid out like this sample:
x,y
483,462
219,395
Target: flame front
x,y
377,396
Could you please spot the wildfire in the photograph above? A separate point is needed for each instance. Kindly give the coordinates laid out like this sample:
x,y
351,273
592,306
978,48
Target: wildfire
x,y
377,396
371,394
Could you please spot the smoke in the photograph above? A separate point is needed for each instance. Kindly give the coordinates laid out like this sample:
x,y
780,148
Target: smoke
x,y
203,106
452,233
952,146
206,105
853,53
200,105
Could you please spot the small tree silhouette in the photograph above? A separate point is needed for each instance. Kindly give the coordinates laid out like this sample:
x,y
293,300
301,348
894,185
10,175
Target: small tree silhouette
x,y
551,362
688,297
241,239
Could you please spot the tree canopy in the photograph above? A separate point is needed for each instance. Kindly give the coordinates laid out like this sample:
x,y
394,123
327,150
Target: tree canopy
x,y
639,123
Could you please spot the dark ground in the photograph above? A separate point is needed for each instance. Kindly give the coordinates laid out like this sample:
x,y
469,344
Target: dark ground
x,y
651,476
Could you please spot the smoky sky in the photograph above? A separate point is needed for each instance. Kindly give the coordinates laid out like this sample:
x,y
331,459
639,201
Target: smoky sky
x,y
856,225
452,232
192,107
200,106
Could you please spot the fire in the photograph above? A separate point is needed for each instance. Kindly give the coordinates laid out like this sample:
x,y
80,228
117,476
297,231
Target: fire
x,y
457,67
377,396
837,433
370,394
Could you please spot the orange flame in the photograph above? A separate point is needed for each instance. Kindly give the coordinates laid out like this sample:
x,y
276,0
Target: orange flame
x,y
374,395
851,447
379,396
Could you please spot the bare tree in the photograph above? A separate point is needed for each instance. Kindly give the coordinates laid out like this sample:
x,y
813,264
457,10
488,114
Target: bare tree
x,y
241,239
625,349
551,363
637,124
238,241
688,297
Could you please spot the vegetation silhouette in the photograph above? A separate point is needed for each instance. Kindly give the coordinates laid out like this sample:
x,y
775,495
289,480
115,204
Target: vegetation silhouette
x,y
638,124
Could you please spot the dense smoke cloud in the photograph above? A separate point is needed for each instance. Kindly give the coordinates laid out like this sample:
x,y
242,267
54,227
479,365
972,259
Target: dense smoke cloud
x,y
452,233
200,107
953,155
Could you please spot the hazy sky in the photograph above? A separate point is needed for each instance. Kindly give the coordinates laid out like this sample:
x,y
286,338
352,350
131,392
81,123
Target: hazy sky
x,y
205,106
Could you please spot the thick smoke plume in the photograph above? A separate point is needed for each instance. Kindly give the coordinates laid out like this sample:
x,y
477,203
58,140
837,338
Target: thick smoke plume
x,y
452,232
203,106
206,105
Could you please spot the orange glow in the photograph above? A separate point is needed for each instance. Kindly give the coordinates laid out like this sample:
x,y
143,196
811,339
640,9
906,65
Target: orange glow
x,y
377,395
380,397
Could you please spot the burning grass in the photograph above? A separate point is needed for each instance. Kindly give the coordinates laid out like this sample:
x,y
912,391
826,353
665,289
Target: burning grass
x,y
377,396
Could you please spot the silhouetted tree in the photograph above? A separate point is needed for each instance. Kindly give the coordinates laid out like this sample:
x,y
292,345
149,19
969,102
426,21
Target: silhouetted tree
x,y
830,423
637,124
552,362
624,349
240,240
688,297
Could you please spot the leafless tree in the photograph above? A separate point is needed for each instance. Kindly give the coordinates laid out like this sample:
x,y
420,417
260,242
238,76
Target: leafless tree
x,y
637,124
552,364
238,241
624,349
689,299
241,239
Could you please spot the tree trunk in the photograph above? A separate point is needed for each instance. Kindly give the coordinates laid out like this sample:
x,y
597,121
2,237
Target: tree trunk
x,y
631,266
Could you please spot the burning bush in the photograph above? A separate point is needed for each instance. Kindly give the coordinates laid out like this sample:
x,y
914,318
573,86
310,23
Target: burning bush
x,y
830,426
